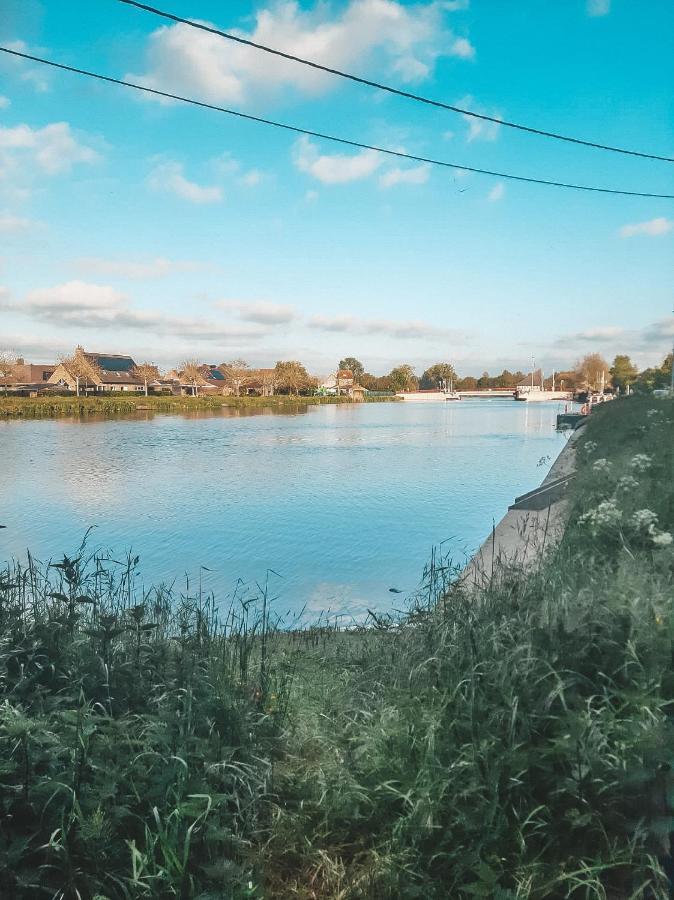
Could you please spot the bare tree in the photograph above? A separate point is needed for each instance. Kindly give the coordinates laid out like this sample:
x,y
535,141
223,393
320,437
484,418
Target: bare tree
x,y
237,373
8,363
593,371
81,368
191,371
146,372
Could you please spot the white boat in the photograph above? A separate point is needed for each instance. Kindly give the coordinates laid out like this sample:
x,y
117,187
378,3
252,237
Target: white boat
x,y
448,390
422,396
538,395
445,392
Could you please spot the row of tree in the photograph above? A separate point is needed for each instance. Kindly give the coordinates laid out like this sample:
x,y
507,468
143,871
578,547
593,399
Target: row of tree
x,y
589,373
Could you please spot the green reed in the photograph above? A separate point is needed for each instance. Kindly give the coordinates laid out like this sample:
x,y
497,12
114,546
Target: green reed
x,y
124,404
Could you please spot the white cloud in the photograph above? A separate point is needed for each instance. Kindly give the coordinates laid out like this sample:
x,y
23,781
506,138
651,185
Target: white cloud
x,y
11,224
415,175
85,305
479,129
53,149
311,196
601,334
160,267
646,345
225,166
391,327
169,178
34,75
263,313
5,102
652,228
598,7
335,168
659,333
463,48
252,178
497,192
74,301
407,39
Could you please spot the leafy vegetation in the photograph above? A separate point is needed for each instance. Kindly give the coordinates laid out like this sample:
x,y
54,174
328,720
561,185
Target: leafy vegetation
x,y
515,743
135,751
35,407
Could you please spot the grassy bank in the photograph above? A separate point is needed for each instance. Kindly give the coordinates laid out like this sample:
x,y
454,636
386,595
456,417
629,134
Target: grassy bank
x,y
120,404
512,744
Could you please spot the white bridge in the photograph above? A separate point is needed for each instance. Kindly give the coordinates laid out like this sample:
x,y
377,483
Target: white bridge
x,y
416,396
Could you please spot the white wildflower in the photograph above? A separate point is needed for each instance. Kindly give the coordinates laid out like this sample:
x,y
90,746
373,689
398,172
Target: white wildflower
x,y
653,412
602,465
589,447
605,516
644,520
641,462
627,483
661,539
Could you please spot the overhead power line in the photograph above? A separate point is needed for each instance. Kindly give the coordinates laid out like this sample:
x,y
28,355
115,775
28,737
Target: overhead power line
x,y
387,87
399,154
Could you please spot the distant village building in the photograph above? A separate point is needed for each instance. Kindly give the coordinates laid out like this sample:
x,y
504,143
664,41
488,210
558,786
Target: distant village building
x,y
342,384
328,387
261,383
345,382
111,372
214,381
27,377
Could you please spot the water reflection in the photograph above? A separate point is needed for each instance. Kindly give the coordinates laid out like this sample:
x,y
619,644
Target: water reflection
x,y
344,502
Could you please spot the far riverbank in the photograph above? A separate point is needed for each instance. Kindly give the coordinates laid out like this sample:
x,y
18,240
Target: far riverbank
x,y
114,405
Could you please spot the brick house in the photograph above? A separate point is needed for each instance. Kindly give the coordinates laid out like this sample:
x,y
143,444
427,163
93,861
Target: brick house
x,y
28,376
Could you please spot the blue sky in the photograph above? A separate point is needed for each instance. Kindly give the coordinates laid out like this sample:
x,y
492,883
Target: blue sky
x,y
168,232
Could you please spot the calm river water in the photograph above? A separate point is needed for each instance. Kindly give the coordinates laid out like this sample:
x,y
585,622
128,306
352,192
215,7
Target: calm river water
x,y
343,502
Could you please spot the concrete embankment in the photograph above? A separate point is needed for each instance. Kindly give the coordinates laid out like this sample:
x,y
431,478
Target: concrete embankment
x,y
533,524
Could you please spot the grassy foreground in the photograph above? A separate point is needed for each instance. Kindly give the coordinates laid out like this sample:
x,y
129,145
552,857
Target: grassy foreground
x,y
119,404
515,744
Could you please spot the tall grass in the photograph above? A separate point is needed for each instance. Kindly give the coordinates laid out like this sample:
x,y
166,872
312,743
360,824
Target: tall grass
x,y
511,742
134,745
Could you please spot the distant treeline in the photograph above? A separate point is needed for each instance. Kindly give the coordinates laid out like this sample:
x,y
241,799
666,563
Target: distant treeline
x,y
591,372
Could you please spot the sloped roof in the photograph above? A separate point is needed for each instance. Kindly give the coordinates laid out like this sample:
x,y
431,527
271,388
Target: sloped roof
x,y
111,362
213,374
108,377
